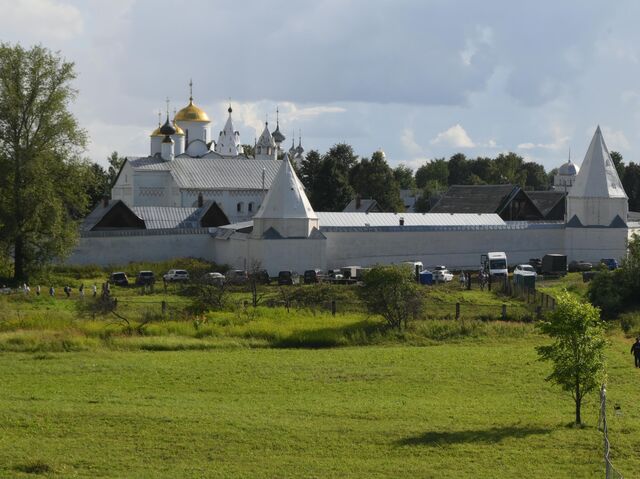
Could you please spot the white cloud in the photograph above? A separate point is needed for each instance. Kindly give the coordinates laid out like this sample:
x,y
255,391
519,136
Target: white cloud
x,y
409,143
456,137
483,36
292,112
615,139
47,19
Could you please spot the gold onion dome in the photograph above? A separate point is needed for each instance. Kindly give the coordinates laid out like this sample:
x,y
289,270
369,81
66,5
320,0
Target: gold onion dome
x,y
192,113
156,132
179,131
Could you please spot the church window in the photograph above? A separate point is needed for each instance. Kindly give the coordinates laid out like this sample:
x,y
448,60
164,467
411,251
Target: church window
x,y
250,207
239,207
259,150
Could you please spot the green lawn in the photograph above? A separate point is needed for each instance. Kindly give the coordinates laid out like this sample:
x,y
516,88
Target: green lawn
x,y
472,409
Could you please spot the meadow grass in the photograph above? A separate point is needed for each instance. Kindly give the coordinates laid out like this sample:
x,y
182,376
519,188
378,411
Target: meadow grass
x,y
462,410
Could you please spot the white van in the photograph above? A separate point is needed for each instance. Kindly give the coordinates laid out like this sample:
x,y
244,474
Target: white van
x,y
496,263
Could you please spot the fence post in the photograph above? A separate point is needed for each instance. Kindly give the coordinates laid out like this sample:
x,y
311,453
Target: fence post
x,y
504,312
457,310
333,307
538,312
164,308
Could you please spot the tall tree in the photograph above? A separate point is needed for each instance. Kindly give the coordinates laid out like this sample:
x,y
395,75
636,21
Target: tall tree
x,y
631,184
577,348
404,177
115,163
508,169
309,170
374,179
535,178
40,143
459,170
332,192
618,162
435,170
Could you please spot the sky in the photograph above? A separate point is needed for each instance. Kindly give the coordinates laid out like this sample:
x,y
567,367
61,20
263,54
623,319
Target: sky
x,y
419,79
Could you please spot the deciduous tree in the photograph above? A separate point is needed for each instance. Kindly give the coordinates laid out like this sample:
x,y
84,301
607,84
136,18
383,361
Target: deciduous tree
x,y
40,143
577,348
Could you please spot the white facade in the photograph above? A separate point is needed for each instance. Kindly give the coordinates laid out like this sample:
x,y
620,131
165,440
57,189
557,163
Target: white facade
x,y
597,197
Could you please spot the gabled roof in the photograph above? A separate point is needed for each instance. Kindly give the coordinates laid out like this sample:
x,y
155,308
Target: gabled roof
x,y
367,205
598,177
212,173
475,199
545,201
114,214
286,197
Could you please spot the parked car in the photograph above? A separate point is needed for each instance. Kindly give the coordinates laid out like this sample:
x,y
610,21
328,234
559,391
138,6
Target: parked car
x,y
261,276
442,275
439,268
237,276
610,263
119,279
554,264
576,266
525,269
537,264
176,275
312,276
145,278
288,278
215,278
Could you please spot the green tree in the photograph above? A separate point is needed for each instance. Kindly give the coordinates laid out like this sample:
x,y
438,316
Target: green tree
x,y
343,156
40,143
631,184
404,177
618,162
309,170
435,170
96,182
481,170
429,196
374,179
115,163
332,192
535,178
459,170
577,348
249,151
508,169
392,292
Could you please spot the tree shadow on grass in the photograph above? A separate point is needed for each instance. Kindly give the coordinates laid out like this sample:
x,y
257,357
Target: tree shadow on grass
x,y
481,436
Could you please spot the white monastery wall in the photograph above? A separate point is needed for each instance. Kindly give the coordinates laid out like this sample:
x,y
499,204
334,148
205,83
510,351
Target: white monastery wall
x,y
593,244
123,249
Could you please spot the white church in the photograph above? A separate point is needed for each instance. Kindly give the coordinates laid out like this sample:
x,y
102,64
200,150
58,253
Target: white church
x,y
186,167
192,214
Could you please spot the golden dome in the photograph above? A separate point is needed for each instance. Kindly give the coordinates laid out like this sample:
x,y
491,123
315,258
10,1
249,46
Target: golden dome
x,y
156,132
192,113
179,131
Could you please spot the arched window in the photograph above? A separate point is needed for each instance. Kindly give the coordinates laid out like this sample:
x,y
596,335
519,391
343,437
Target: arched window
x,y
239,207
259,150
250,207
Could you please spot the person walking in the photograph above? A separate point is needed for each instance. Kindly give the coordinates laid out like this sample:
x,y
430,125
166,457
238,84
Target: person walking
x,y
52,292
463,279
635,350
94,289
81,291
38,290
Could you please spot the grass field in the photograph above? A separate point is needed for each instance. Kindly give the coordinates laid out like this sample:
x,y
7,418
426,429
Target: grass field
x,y
267,392
477,409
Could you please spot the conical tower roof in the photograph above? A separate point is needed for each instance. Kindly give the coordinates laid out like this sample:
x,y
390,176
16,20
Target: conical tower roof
x,y
286,197
598,177
266,139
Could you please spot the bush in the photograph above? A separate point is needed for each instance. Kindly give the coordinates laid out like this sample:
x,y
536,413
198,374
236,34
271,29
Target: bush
x,y
607,292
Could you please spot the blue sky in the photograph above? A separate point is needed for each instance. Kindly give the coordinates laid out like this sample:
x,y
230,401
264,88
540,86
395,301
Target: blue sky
x,y
420,79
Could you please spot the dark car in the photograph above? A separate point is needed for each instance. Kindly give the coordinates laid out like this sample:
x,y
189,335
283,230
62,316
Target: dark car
x,y
312,276
287,278
610,263
537,264
119,279
260,277
145,278
236,276
578,266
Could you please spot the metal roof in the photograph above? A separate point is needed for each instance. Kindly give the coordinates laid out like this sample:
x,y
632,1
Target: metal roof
x,y
213,173
349,220
162,217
